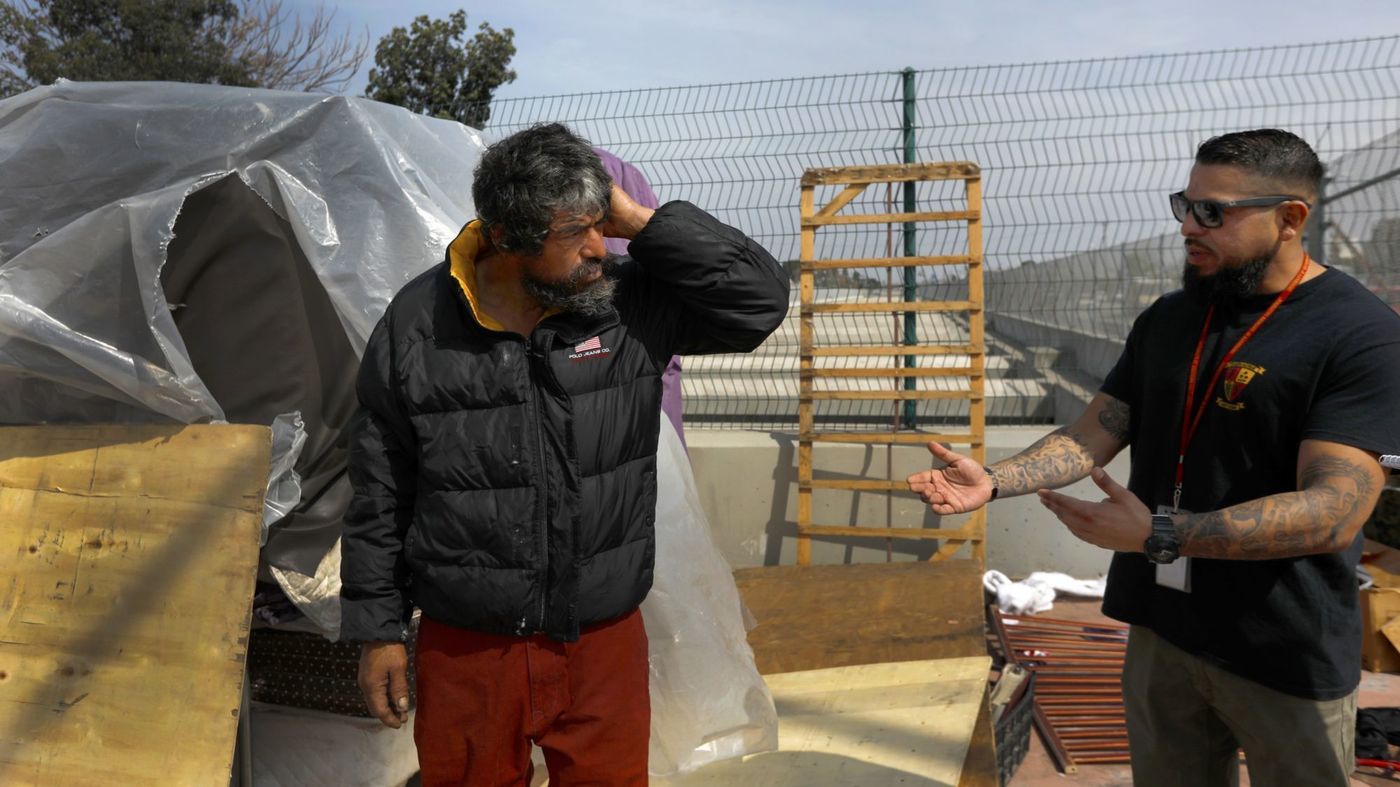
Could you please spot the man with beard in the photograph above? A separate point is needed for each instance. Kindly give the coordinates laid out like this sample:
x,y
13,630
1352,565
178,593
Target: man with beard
x,y
1256,402
504,464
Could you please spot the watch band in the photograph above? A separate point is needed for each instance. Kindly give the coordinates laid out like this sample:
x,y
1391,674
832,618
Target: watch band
x,y
992,476
1163,545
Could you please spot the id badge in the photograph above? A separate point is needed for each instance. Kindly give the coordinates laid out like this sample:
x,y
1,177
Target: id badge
x,y
1176,574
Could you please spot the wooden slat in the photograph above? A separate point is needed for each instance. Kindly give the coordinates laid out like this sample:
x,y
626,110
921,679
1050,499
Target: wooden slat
x,y
842,200
860,484
891,173
857,307
892,371
888,438
130,554
883,532
806,416
976,319
889,262
854,350
898,395
891,218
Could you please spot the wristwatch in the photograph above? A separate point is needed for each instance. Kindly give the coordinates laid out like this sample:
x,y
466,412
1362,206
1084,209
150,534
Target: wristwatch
x,y
1162,546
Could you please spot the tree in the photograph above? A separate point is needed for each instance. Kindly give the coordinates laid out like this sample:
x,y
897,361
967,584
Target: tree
x,y
430,70
283,52
226,42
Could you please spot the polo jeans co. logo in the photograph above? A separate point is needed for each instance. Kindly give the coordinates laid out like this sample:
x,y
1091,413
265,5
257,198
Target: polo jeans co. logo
x,y
1237,375
589,349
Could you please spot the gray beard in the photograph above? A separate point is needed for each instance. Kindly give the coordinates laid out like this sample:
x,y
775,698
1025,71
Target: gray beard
x,y
572,295
1229,285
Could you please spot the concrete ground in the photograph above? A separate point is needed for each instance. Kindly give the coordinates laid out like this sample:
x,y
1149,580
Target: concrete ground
x,y
1038,769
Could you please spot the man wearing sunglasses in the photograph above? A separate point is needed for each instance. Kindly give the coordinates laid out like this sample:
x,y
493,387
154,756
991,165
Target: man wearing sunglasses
x,y
1255,402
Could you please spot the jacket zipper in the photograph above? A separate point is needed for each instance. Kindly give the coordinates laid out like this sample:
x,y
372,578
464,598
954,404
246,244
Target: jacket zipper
x,y
535,354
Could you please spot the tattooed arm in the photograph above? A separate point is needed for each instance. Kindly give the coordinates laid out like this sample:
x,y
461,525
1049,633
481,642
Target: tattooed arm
x,y
1068,453
1337,487
1061,457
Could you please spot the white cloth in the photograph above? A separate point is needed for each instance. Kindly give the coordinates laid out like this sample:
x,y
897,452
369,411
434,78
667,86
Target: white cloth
x,y
1036,593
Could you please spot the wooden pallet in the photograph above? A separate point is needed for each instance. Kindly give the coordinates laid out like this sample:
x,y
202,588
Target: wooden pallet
x,y
898,363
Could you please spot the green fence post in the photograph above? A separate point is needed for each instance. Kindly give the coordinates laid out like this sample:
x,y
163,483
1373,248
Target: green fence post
x,y
911,327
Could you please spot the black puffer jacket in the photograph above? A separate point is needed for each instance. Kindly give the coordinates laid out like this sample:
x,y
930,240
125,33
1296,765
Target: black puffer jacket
x,y
509,485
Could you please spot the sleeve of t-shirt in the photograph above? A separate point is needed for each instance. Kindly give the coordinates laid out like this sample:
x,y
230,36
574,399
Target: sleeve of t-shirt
x,y
1358,399
1121,382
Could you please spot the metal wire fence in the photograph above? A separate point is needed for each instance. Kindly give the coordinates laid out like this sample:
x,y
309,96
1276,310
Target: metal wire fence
x,y
1077,160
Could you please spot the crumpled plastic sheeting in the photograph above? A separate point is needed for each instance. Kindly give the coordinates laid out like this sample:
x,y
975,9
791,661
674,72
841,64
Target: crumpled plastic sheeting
x,y
283,483
708,702
94,178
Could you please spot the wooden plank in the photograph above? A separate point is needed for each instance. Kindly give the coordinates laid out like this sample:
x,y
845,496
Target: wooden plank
x,y
885,396
891,218
856,307
891,371
842,200
980,769
889,438
806,416
889,262
811,617
132,553
875,725
858,531
890,173
919,349
858,484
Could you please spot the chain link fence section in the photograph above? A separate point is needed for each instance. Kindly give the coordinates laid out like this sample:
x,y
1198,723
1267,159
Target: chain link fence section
x,y
1077,158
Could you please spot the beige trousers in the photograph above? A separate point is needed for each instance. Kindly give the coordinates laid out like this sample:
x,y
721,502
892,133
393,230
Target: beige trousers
x,y
1187,717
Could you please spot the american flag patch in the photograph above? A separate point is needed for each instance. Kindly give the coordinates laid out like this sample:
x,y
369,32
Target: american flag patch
x,y
589,344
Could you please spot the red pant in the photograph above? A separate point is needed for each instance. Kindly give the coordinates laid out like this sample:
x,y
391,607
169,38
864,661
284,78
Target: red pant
x,y
483,698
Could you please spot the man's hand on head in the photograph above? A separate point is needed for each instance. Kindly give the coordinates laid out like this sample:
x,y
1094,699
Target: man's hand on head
x,y
626,218
383,677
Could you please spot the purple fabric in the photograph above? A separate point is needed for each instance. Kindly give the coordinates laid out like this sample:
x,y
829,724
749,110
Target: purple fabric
x,y
632,181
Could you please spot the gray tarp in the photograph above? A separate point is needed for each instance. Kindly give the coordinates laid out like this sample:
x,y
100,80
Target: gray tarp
x,y
196,253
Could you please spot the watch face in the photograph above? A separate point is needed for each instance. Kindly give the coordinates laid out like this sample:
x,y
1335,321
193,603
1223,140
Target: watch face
x,y
1160,550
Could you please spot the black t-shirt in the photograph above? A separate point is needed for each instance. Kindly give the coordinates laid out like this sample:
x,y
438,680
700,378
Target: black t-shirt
x,y
1325,366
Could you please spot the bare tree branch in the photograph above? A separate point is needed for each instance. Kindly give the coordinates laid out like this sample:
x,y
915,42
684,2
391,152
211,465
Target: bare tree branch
x,y
285,52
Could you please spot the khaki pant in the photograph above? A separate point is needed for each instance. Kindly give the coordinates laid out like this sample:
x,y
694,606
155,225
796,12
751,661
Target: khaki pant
x,y
1187,717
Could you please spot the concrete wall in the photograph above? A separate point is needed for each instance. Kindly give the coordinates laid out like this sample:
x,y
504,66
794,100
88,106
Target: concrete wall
x,y
748,486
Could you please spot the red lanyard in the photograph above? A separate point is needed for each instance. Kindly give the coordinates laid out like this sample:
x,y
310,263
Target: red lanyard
x,y
1188,423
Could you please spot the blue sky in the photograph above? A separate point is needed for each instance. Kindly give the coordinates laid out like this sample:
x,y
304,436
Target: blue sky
x,y
621,44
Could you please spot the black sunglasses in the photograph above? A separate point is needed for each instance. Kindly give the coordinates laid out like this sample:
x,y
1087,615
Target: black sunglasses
x,y
1210,213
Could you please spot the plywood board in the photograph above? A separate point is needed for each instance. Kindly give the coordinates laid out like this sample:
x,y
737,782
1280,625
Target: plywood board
x,y
906,723
814,617
131,554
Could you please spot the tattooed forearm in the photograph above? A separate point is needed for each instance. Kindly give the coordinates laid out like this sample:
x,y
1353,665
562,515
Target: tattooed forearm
x,y
1323,516
1061,457
1114,419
